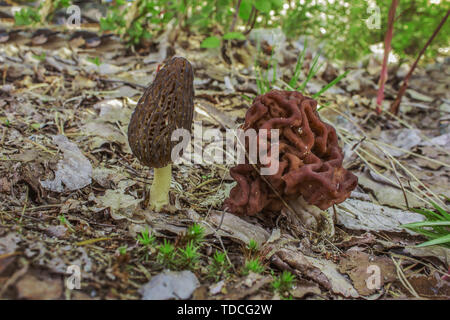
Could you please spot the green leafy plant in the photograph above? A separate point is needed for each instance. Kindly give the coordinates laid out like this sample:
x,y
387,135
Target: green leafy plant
x,y
195,233
64,222
436,227
265,84
145,238
283,283
40,57
215,42
123,250
189,256
166,254
95,61
253,246
5,121
219,266
253,265
26,17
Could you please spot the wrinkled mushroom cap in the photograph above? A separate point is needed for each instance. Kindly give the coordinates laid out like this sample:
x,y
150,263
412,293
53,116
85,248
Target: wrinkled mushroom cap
x,y
310,159
167,104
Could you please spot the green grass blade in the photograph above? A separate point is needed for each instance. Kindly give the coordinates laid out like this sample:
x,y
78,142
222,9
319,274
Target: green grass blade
x,y
427,224
312,71
430,215
298,66
441,240
441,211
332,83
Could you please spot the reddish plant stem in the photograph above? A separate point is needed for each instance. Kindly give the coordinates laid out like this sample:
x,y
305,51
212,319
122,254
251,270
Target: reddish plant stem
x,y
387,49
236,12
395,106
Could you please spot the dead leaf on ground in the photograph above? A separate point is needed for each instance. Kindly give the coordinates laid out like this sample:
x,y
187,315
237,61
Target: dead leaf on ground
x,y
362,215
362,267
238,228
30,287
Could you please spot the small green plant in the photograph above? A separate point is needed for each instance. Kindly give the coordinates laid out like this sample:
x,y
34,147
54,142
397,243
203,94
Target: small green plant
x,y
166,254
123,250
63,221
40,57
215,42
265,84
253,246
95,61
195,233
26,17
436,227
33,16
146,239
35,126
6,121
283,283
219,266
253,265
189,257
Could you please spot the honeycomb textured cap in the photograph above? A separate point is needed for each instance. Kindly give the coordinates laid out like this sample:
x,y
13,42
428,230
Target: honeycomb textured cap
x,y
167,104
309,162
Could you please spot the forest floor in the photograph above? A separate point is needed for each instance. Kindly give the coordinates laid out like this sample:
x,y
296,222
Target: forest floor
x,y
72,193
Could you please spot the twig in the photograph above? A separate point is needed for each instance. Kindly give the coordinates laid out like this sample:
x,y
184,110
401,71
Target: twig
x,y
400,183
396,104
236,11
253,16
387,49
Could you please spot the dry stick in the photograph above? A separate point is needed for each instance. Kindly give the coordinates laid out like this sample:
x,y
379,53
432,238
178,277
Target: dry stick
x,y
401,184
396,104
387,49
236,11
253,16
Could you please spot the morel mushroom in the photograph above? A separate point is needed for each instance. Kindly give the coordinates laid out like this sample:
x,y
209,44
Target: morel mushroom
x,y
167,104
309,162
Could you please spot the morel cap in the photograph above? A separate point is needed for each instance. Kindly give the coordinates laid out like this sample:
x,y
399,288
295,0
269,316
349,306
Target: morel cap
x,y
167,104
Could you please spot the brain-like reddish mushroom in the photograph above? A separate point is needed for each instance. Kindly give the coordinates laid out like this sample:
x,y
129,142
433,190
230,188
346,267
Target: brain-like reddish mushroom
x,y
310,159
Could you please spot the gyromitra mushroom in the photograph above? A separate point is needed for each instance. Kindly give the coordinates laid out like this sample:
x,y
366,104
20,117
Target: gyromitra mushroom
x,y
309,162
167,104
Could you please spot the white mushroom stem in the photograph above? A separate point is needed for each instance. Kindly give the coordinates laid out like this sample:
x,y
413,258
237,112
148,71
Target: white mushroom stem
x,y
159,191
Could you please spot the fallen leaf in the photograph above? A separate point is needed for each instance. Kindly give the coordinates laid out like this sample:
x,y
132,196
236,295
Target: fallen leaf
x,y
30,287
121,205
430,287
304,288
358,265
362,215
400,138
74,170
239,228
387,194
339,283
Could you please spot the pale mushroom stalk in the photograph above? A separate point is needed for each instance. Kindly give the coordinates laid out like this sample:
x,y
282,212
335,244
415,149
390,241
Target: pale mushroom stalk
x,y
159,191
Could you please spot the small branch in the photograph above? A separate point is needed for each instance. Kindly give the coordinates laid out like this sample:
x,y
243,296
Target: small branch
x,y
387,49
396,104
253,16
236,12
